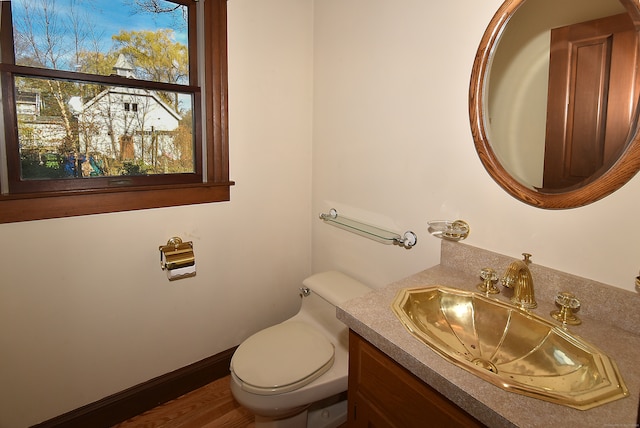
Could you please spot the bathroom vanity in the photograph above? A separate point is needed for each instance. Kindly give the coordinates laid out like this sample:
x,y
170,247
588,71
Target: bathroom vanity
x,y
396,380
383,393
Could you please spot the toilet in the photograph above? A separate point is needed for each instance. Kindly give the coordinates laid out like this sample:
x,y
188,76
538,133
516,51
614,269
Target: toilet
x,y
294,374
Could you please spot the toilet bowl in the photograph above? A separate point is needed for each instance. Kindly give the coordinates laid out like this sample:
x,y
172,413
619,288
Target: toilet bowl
x,y
294,374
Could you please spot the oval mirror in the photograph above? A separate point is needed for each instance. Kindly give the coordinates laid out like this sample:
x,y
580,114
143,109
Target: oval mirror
x,y
554,99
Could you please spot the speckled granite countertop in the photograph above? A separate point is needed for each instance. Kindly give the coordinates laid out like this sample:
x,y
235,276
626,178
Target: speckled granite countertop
x,y
619,336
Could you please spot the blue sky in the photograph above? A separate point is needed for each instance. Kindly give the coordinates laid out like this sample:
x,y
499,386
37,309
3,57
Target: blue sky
x,y
109,17
116,15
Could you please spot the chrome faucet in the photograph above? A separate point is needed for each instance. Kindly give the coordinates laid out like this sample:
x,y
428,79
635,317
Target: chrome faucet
x,y
518,277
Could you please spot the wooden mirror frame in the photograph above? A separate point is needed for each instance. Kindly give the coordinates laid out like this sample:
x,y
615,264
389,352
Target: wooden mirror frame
x,y
619,174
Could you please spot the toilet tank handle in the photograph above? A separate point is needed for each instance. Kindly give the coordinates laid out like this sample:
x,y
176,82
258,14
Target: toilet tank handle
x,y
304,291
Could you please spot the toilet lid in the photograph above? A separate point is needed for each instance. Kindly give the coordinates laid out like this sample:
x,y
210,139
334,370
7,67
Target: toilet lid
x,y
282,358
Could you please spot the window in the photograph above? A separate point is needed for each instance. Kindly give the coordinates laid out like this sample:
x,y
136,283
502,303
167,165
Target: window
x,y
100,120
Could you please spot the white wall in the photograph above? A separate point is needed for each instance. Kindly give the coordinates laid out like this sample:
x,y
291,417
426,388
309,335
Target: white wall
x,y
85,310
392,146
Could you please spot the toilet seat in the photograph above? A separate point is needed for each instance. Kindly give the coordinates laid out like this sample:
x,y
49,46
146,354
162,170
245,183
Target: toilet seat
x,y
282,358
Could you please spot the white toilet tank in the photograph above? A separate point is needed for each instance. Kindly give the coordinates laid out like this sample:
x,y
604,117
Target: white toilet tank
x,y
335,287
326,291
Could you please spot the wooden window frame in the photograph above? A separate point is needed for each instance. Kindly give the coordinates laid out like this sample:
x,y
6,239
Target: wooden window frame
x,y
215,185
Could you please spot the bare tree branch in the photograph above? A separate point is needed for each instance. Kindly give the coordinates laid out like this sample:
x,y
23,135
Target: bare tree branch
x,y
155,6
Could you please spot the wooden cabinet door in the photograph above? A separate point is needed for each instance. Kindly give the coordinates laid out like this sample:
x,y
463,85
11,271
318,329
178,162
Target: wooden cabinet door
x,y
591,99
383,394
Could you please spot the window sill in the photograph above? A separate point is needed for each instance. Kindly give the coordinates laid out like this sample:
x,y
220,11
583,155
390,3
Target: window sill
x,y
39,206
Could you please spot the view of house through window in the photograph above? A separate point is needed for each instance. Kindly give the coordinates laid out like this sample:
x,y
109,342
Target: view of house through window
x,y
83,127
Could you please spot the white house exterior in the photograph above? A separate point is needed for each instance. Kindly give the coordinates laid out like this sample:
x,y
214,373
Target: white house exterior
x,y
128,123
37,133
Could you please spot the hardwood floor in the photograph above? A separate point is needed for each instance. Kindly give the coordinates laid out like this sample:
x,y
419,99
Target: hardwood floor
x,y
211,406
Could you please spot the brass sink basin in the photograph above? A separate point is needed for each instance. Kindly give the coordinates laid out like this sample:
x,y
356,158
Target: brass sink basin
x,y
513,349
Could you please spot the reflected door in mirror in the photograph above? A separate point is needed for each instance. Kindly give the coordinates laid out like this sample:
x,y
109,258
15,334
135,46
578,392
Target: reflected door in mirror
x,y
590,104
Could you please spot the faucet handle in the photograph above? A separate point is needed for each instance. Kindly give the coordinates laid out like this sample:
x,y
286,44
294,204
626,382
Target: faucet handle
x,y
568,303
567,299
489,278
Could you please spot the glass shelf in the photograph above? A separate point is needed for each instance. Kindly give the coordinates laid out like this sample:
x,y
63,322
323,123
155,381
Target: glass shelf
x,y
368,231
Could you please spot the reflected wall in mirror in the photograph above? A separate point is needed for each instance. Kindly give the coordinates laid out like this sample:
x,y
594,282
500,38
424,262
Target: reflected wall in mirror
x,y
554,99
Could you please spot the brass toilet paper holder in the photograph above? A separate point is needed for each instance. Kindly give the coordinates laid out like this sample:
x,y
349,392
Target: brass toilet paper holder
x,y
177,255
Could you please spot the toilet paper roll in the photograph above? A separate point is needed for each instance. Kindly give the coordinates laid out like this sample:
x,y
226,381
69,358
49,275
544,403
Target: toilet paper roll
x,y
184,272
